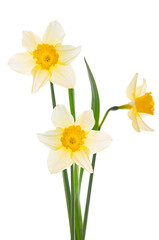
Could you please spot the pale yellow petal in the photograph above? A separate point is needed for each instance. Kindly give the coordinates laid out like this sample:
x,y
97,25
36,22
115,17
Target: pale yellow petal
x,y
132,116
96,141
63,76
51,138
40,78
142,124
81,158
141,90
54,33
131,90
86,120
30,41
61,117
22,63
67,53
59,160
144,115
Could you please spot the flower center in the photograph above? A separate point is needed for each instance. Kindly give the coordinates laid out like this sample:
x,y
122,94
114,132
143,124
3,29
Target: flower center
x,y
73,137
145,104
45,55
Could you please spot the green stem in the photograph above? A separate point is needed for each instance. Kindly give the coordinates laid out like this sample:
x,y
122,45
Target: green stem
x,y
110,109
53,95
71,95
78,212
67,194
64,173
79,186
88,198
72,205
80,180
126,106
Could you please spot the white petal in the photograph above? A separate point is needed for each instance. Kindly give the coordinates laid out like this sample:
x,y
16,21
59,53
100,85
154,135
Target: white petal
x,y
22,63
63,75
132,88
61,117
30,41
86,120
67,53
54,33
141,90
59,160
142,124
51,138
132,116
82,159
143,115
40,78
96,141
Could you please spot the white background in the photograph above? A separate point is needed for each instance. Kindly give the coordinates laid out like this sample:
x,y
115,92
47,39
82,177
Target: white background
x,y
118,38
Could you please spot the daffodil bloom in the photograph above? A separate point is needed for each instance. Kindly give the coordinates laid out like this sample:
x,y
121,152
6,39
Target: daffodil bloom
x,y
46,59
141,104
72,142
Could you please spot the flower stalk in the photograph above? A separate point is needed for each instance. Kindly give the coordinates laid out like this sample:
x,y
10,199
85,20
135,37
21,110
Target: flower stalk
x,y
52,95
88,198
72,205
110,109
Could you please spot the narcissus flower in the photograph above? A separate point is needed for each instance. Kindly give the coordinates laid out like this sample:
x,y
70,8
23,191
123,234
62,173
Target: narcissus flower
x,y
141,104
72,142
46,59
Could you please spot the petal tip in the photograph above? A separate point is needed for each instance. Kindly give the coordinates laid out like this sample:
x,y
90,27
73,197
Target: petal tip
x,y
8,63
152,130
51,172
79,49
33,90
91,171
55,21
137,129
24,32
110,139
39,136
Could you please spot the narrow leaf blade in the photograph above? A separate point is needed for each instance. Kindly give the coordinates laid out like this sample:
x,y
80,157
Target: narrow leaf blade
x,y
95,105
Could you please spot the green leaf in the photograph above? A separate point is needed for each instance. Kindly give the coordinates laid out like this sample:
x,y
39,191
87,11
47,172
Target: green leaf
x,y
95,105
